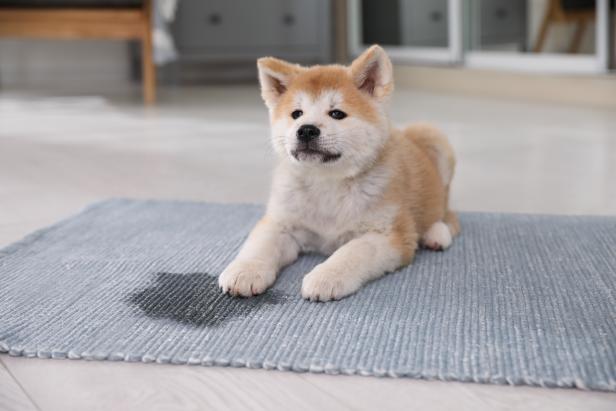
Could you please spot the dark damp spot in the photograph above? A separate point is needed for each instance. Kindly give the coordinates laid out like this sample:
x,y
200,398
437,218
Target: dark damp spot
x,y
195,299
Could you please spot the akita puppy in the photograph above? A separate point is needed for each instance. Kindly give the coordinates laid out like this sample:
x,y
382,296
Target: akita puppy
x,y
347,184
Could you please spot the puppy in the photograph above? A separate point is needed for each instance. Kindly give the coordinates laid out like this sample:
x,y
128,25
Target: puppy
x,y
347,184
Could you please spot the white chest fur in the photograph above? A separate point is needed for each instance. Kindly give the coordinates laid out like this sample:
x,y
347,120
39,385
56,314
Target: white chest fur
x,y
324,212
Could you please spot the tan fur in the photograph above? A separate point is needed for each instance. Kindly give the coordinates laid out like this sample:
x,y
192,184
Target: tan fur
x,y
317,79
416,185
385,194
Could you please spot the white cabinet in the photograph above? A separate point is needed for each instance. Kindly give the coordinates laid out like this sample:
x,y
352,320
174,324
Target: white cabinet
x,y
245,29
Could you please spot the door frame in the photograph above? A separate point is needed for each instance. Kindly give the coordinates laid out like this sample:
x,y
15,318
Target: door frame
x,y
455,53
451,54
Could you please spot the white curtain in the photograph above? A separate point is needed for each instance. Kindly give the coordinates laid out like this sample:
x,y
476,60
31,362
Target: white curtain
x,y
163,16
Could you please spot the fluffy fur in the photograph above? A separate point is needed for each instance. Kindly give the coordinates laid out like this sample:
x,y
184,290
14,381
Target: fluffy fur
x,y
362,192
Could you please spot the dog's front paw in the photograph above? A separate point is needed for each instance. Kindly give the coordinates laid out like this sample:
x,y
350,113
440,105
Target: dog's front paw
x,y
323,284
246,278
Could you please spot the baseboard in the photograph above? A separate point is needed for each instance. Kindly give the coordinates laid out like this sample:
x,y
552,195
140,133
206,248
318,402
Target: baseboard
x,y
589,90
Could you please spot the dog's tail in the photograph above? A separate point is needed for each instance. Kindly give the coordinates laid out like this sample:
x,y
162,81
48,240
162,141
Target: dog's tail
x,y
436,146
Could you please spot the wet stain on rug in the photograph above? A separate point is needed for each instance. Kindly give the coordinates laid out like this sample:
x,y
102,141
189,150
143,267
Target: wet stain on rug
x,y
195,299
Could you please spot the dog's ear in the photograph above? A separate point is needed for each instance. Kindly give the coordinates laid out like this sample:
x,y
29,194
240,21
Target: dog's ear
x,y
372,73
275,76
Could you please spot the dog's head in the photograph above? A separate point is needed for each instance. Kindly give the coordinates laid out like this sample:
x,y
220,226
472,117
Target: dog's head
x,y
330,118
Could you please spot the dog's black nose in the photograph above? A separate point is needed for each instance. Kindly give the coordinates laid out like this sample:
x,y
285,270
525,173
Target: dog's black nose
x,y
307,132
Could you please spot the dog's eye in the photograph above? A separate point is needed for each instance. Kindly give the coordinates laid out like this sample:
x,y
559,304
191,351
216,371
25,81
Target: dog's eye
x,y
337,114
297,114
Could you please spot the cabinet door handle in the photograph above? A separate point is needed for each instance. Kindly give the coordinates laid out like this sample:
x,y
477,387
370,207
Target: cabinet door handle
x,y
436,16
501,13
288,19
214,19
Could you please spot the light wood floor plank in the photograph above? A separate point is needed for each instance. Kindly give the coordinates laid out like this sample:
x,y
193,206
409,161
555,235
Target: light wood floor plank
x,y
134,386
403,394
12,396
65,385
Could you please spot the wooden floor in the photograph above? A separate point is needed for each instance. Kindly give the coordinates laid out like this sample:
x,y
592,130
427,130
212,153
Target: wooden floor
x,y
210,144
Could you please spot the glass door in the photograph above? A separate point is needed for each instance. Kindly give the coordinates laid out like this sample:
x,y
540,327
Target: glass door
x,y
557,36
410,30
537,35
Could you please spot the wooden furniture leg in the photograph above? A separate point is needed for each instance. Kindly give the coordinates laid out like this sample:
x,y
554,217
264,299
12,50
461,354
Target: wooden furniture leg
x,y
543,33
556,14
545,26
576,41
147,56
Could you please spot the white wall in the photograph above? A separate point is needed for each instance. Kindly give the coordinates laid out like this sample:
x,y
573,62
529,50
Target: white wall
x,y
63,63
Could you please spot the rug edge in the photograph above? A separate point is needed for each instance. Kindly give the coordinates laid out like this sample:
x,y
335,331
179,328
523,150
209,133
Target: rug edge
x,y
563,383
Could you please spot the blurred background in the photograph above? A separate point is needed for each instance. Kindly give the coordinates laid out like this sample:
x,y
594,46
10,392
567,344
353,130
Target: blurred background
x,y
133,98
208,41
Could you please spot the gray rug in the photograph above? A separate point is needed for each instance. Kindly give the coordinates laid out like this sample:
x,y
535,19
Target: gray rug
x,y
518,299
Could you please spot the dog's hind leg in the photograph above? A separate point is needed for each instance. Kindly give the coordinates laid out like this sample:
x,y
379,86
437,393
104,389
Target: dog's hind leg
x,y
435,144
451,219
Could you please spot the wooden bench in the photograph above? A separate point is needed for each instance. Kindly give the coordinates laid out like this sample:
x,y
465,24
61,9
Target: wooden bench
x,y
92,20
